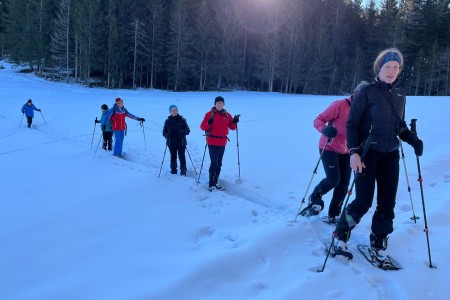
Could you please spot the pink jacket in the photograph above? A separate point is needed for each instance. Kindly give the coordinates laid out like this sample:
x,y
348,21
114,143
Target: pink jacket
x,y
336,114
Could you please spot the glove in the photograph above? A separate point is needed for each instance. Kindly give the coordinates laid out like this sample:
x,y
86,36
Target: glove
x,y
141,120
418,147
103,127
96,121
211,121
39,109
236,119
329,131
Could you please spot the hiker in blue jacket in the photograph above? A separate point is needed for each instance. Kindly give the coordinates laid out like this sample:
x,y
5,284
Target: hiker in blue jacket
x,y
28,109
105,124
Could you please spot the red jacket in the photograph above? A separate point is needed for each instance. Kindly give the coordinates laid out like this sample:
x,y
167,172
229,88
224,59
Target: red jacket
x,y
216,134
117,116
337,115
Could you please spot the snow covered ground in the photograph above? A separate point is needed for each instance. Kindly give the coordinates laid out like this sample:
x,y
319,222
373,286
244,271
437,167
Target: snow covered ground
x,y
75,226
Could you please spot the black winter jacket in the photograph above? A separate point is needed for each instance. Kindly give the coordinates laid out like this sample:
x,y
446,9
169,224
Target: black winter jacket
x,y
175,131
379,108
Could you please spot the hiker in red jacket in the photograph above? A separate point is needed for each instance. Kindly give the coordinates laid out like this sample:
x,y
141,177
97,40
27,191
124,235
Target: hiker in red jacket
x,y
117,115
216,125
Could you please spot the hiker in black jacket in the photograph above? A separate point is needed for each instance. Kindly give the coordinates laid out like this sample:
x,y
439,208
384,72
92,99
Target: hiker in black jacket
x,y
175,131
378,111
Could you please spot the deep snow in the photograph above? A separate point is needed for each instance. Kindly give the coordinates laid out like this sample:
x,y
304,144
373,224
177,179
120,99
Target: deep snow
x,y
75,226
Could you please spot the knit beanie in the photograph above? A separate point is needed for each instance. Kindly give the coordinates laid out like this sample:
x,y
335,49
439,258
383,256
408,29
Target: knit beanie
x,y
172,106
104,107
29,101
219,98
118,100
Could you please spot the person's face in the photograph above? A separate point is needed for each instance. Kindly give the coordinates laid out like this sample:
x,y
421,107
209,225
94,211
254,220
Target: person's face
x,y
29,104
219,105
174,112
120,104
389,72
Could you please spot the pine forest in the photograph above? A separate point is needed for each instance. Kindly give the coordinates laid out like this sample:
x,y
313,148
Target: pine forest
x,y
321,47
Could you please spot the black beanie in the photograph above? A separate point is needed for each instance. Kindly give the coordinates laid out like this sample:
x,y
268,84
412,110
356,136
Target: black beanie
x,y
29,101
219,98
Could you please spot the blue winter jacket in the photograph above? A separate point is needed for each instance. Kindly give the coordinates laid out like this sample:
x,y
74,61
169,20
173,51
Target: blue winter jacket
x,y
105,121
29,109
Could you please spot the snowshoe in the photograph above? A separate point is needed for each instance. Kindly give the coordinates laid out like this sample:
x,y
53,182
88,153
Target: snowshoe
x,y
330,220
339,248
311,210
378,258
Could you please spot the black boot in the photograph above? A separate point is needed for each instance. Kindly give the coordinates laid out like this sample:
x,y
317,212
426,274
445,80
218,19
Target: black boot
x,y
104,145
173,167
183,171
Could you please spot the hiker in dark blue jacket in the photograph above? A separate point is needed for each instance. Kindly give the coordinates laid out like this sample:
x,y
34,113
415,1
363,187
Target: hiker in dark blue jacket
x,y
28,109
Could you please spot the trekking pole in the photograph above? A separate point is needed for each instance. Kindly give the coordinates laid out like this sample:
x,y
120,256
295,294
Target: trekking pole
x,y
143,131
414,131
355,176
98,144
191,161
43,117
21,120
201,167
414,217
164,155
310,181
95,125
237,145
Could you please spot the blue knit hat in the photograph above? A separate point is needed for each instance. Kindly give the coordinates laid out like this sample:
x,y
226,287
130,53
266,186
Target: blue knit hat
x,y
172,106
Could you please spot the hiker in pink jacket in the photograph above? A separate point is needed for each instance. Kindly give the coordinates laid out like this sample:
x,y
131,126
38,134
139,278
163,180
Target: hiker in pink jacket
x,y
335,158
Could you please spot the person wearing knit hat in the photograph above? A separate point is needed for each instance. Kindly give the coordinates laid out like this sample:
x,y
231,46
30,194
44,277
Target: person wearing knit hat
x,y
377,115
335,158
107,132
175,130
116,115
219,99
216,125
172,107
28,109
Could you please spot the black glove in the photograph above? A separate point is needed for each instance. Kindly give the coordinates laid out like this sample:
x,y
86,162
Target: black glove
x,y
96,121
211,121
103,127
141,120
236,119
329,131
39,109
418,147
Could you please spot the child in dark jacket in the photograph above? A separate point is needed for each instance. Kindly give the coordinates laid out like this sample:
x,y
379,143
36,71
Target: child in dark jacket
x,y
28,109
105,124
175,131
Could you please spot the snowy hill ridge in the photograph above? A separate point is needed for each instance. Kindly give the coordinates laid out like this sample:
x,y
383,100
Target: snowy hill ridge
x,y
75,226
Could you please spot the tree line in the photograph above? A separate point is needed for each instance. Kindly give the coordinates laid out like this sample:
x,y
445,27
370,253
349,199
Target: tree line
x,y
289,46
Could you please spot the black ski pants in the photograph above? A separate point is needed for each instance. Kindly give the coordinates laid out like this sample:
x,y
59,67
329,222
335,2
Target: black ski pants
x,y
216,155
381,169
180,151
338,173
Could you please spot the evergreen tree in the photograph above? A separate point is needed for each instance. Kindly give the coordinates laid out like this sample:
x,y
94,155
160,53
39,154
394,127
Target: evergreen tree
x,y
61,43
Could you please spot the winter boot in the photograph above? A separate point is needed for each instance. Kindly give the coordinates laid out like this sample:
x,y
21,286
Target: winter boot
x,y
340,248
183,170
173,167
104,145
378,245
316,204
110,145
